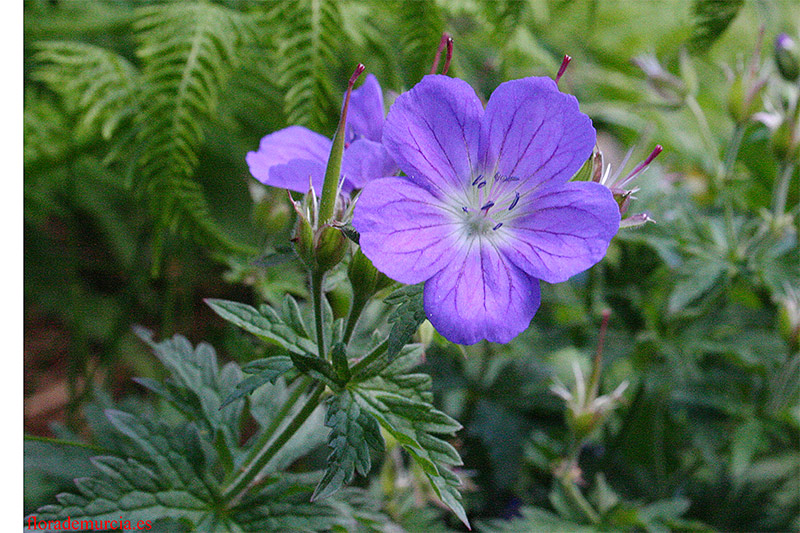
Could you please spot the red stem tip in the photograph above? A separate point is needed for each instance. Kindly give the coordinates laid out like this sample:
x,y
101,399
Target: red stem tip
x,y
563,67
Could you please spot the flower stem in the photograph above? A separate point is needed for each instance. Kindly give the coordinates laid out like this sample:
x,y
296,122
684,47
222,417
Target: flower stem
x,y
355,313
286,408
317,295
782,189
370,357
254,467
574,495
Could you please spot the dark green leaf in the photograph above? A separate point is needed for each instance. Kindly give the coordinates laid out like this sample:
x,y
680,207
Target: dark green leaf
x,y
269,370
711,19
353,433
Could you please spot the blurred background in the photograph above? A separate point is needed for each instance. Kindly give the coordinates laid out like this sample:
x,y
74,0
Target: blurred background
x,y
138,204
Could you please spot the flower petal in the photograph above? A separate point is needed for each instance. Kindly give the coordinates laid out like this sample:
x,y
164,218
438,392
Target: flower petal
x,y
432,133
405,231
295,175
365,116
294,142
481,295
364,161
565,230
534,132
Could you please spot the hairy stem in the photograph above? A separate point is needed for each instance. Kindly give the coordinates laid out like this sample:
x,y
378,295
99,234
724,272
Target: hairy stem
x,y
253,468
782,189
317,294
369,358
355,313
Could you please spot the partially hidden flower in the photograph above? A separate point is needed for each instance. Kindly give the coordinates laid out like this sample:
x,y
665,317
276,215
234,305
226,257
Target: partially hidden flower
x,y
485,209
619,185
290,157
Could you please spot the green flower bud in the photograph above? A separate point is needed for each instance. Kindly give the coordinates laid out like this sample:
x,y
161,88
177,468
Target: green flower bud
x,y
362,274
785,143
745,100
330,245
787,57
303,239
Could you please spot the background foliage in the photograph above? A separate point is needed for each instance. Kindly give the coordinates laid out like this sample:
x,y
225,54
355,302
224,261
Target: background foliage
x,y
138,204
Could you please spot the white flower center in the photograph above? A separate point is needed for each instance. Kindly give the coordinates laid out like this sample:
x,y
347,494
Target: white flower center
x,y
488,204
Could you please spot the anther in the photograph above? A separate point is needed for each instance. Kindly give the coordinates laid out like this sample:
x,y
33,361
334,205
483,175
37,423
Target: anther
x,y
514,203
511,178
488,205
465,209
481,184
497,226
479,178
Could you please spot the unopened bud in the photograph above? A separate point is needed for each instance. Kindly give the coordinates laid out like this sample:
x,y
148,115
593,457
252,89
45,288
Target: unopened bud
x,y
330,245
785,141
787,57
303,239
362,274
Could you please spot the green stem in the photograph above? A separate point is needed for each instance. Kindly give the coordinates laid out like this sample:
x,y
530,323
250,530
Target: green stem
x,y
705,130
286,408
782,189
369,358
355,313
317,294
252,469
733,152
574,494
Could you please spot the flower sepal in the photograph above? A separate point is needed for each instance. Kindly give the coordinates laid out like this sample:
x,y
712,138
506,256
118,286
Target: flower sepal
x,y
320,246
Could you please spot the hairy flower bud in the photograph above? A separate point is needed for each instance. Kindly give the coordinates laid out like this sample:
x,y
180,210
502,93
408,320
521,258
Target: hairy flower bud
x,y
787,57
330,244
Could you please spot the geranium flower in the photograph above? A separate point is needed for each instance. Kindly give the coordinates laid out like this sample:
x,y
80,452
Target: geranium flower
x,y
289,157
485,211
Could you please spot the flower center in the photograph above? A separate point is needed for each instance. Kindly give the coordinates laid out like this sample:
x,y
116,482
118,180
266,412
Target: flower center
x,y
488,204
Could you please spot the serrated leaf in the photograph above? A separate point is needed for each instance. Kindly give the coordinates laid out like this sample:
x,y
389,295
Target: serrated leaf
x,y
264,323
340,364
268,371
401,403
405,320
353,433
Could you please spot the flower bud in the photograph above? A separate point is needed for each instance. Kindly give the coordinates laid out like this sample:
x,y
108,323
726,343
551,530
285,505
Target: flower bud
x,y
787,57
785,141
362,274
303,239
330,245
745,101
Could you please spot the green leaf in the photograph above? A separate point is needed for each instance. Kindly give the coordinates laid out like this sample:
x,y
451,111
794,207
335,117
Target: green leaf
x,y
197,388
353,433
164,485
264,323
317,368
697,277
401,402
405,320
711,19
340,364
266,371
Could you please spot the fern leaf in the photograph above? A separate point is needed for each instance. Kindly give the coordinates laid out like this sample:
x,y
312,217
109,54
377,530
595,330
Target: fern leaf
x,y
98,85
307,34
187,53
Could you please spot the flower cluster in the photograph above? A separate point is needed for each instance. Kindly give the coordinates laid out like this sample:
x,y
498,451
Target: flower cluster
x,y
485,208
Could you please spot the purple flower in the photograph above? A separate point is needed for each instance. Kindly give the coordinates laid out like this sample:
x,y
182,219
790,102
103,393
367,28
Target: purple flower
x,y
289,157
485,210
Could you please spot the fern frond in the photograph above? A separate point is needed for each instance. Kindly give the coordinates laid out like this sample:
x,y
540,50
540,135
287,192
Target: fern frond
x,y
421,26
96,84
187,53
308,31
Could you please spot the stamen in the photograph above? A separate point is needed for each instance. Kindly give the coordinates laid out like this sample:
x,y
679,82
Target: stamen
x,y
479,178
482,184
488,205
465,209
449,56
563,67
514,203
511,178
641,166
447,41
497,226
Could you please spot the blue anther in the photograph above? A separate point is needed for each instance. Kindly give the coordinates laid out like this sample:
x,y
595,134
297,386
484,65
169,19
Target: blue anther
x,y
514,203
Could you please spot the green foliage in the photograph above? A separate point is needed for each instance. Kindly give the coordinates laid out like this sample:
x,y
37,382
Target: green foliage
x,y
353,434
712,17
264,371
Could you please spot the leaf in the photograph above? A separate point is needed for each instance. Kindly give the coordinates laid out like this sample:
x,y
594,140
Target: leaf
x,y
401,403
265,370
405,320
696,278
264,323
165,485
317,368
353,433
711,19
197,386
